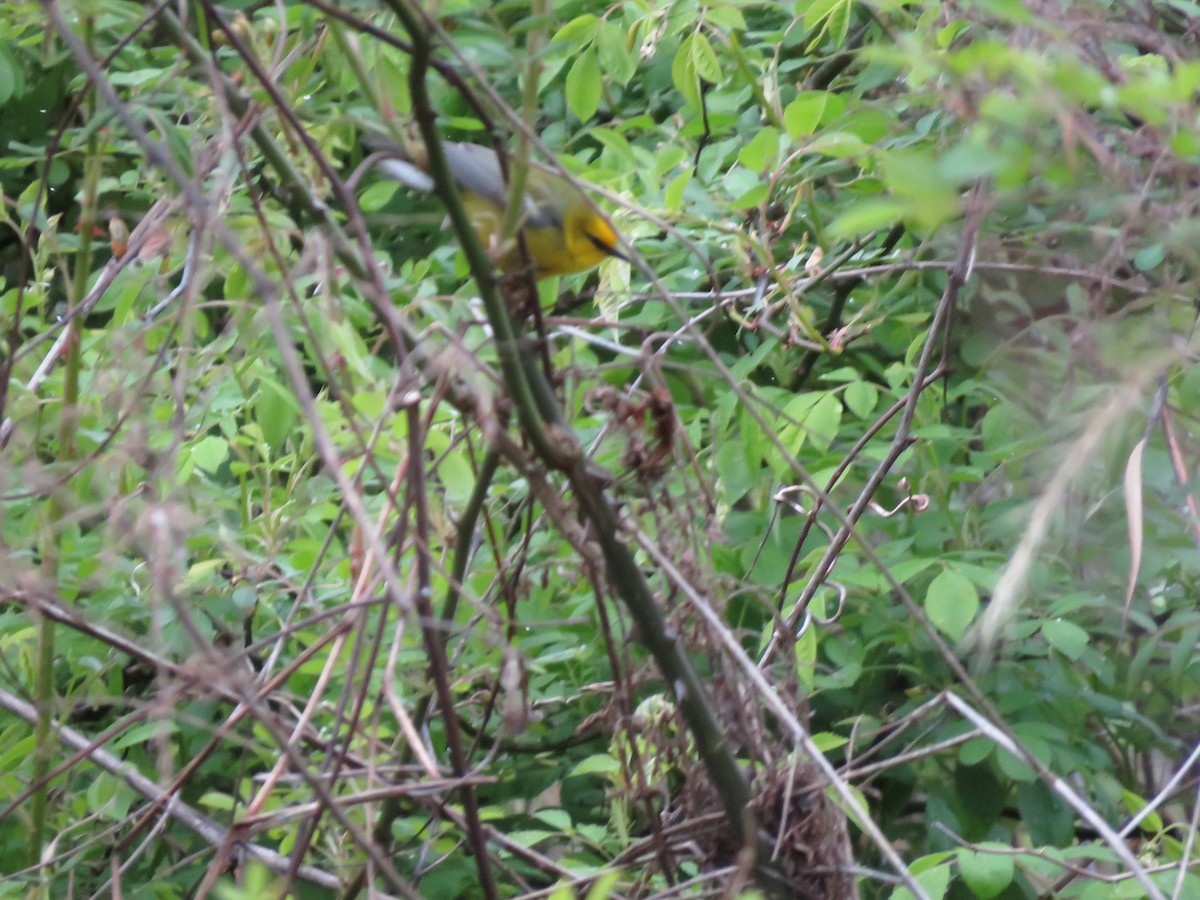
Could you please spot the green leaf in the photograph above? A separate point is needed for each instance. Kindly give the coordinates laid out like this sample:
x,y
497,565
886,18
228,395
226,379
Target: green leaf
x,y
753,196
276,411
673,195
577,33
866,215
905,569
209,452
818,414
837,144
237,283
598,764
1047,816
762,150
9,75
584,85
109,797
986,874
1183,656
597,834
823,421
851,814
806,656
216,800
683,75
975,751
1066,637
619,152
933,881
613,51
1149,257
861,397
704,58
724,17
735,475
802,116
137,77
915,176
1152,823
833,17
951,603
147,731
559,819
377,195
930,861
1018,769
457,477
530,836
602,887
827,741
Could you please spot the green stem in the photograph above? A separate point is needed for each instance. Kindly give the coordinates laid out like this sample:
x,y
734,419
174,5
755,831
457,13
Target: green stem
x,y
44,744
518,170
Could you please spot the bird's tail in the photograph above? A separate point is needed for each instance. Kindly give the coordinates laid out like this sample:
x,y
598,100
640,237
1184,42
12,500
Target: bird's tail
x,y
398,162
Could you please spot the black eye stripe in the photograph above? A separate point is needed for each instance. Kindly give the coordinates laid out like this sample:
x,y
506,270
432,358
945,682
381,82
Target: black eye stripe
x,y
604,247
599,244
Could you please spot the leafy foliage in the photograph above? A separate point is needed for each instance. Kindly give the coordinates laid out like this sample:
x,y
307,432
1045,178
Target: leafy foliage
x,y
891,420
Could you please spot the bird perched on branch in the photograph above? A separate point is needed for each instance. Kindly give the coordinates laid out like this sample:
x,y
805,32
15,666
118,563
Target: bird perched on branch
x,y
564,231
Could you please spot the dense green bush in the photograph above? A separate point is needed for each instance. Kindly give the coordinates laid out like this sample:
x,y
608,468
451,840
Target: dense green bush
x,y
315,580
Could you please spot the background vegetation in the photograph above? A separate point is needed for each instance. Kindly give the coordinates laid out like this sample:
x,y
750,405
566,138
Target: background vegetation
x,y
845,543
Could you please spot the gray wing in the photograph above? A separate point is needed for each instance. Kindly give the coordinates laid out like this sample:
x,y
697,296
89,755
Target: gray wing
x,y
476,169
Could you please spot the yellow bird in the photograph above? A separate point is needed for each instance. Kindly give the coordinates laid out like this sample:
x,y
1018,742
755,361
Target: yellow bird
x,y
563,229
